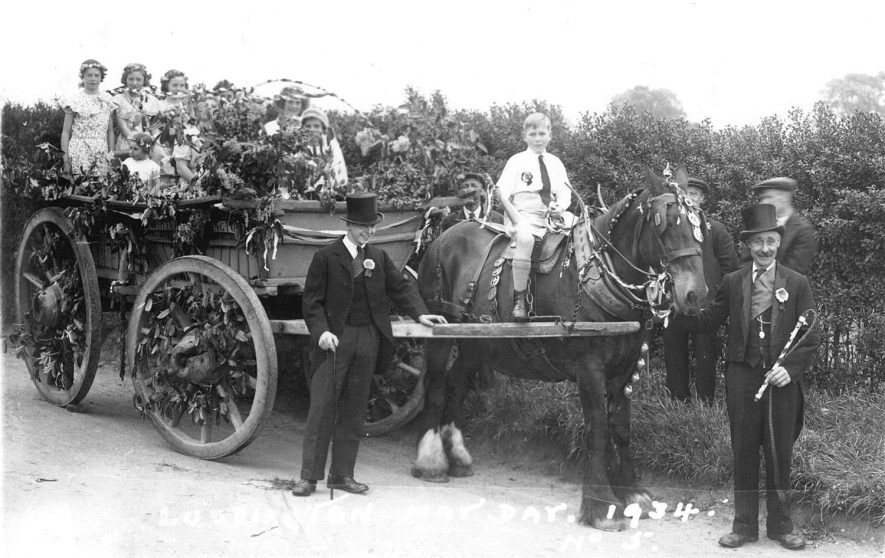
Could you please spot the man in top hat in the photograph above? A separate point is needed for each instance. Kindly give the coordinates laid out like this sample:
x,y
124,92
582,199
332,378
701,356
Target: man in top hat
x,y
798,245
346,306
720,259
762,303
472,192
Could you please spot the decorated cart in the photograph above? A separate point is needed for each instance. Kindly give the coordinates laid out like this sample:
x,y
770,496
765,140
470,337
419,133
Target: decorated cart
x,y
210,280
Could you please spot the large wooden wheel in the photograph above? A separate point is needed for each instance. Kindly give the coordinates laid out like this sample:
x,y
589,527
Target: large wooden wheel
x,y
59,307
397,394
202,357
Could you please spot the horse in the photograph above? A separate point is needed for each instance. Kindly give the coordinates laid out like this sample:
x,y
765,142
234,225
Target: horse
x,y
613,268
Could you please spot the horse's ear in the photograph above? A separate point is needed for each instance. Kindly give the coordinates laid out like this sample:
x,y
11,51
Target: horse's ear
x,y
682,178
652,180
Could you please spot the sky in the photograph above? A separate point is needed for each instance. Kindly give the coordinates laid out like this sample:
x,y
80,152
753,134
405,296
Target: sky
x,y
731,61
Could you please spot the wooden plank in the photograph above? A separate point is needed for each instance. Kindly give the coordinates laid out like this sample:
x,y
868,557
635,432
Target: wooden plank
x,y
410,329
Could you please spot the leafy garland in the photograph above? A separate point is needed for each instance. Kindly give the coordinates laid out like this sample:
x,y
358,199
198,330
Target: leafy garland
x,y
58,348
219,330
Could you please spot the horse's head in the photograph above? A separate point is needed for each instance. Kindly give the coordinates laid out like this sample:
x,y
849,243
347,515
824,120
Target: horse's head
x,y
671,230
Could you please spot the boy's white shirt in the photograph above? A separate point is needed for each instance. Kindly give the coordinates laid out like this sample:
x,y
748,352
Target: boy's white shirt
x,y
511,180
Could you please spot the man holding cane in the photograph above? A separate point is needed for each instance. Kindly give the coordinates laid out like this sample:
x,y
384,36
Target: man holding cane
x,y
763,303
346,305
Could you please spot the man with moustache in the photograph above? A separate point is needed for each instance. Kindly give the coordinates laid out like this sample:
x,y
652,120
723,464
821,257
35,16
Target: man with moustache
x,y
763,303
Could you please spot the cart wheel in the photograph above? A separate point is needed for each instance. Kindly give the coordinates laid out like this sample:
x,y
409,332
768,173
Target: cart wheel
x,y
59,307
202,357
397,394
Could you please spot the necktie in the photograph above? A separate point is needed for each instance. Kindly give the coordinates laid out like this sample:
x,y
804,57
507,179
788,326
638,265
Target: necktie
x,y
357,263
545,181
761,295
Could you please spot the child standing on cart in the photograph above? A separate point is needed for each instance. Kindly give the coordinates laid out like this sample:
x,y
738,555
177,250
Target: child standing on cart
x,y
533,188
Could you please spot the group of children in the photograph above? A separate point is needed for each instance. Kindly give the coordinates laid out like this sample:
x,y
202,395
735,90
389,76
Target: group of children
x,y
159,138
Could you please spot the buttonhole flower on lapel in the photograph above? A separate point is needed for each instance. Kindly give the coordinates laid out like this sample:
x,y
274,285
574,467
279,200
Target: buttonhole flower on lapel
x,y
527,178
368,265
782,296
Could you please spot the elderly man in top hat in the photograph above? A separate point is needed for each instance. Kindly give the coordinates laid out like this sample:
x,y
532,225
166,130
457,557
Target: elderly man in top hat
x,y
798,245
472,191
763,303
346,306
720,259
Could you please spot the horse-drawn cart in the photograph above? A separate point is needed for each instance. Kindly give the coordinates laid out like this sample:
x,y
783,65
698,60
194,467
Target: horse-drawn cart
x,y
201,328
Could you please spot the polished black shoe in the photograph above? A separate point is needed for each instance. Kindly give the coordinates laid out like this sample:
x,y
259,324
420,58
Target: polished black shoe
x,y
520,314
789,540
734,540
347,484
304,488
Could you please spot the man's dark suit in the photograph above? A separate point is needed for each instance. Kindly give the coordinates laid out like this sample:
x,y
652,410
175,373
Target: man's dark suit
x,y
456,216
720,259
798,245
326,304
748,419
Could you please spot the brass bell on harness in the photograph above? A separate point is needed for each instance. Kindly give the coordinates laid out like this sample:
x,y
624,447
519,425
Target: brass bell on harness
x,y
634,378
640,364
628,390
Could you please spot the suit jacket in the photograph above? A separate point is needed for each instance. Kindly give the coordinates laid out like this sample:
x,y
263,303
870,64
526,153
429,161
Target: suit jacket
x,y
798,245
720,257
456,216
733,301
328,291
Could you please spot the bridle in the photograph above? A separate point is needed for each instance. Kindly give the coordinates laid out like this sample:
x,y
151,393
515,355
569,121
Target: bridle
x,y
653,293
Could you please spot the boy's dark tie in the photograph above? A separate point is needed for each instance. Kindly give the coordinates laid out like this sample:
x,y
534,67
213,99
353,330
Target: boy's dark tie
x,y
545,181
357,263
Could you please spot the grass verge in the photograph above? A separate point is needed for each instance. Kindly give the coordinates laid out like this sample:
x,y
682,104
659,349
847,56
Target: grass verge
x,y
838,463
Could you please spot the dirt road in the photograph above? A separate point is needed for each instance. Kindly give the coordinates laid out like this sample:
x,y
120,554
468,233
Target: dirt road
x,y
103,483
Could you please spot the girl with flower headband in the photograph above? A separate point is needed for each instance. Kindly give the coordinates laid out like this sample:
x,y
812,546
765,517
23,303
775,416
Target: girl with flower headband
x,y
136,107
87,136
139,164
173,149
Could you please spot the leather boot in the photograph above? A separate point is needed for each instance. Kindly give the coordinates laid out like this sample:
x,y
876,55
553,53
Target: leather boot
x,y
520,313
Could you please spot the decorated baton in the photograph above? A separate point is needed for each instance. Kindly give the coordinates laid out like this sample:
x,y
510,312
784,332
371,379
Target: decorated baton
x,y
805,320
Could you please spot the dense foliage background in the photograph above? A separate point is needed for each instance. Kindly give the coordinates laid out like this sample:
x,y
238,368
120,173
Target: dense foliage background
x,y
838,159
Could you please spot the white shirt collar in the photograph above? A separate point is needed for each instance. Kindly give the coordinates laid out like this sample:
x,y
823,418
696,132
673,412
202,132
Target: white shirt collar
x,y
755,267
350,245
477,212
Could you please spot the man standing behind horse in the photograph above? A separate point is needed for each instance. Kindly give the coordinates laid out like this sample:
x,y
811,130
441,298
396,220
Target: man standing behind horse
x,y
763,304
533,187
346,306
720,259
472,191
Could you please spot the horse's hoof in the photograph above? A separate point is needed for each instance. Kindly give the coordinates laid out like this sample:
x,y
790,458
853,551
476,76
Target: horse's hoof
x,y
428,475
606,524
460,471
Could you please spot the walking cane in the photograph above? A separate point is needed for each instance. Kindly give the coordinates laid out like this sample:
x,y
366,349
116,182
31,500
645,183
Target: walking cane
x,y
334,401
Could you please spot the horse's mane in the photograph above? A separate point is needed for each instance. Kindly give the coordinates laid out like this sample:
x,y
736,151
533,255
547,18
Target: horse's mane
x,y
603,222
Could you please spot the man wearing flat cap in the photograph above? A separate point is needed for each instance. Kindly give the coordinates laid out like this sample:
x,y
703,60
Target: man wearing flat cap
x,y
720,259
346,303
472,192
798,245
762,303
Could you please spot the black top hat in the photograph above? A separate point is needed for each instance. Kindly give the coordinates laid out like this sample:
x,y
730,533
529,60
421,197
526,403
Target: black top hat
x,y
698,183
465,189
759,218
778,183
361,209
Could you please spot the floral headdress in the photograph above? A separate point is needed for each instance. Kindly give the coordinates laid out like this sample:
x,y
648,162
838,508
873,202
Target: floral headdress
x,y
92,63
143,141
136,67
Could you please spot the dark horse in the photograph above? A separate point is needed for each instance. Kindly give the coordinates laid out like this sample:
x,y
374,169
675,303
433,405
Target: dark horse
x,y
647,240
